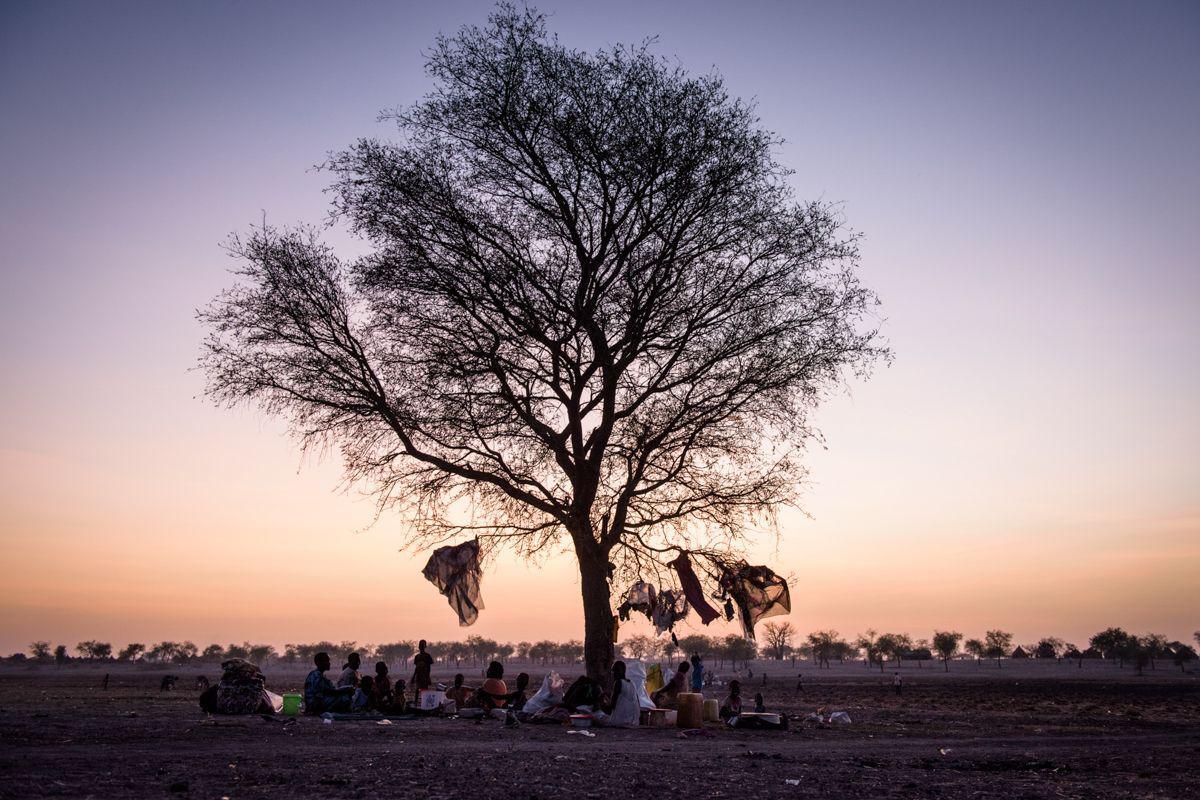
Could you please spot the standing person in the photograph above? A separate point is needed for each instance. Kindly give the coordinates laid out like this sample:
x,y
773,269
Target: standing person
x,y
800,683
898,683
697,674
422,666
349,676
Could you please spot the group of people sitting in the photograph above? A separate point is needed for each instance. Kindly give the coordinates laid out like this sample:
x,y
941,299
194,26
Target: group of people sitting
x,y
355,693
621,705
690,674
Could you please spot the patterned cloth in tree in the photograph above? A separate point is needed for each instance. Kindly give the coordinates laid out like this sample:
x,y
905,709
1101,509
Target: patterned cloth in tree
x,y
757,593
455,571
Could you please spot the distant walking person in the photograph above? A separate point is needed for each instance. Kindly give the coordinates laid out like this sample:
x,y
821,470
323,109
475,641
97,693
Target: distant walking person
x,y
898,683
800,683
422,667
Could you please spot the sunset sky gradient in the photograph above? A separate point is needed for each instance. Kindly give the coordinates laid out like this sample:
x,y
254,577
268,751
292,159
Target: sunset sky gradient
x,y
1027,180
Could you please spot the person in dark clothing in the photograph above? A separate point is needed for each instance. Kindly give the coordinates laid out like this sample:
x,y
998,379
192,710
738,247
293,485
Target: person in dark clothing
x,y
422,667
383,685
668,696
517,697
320,695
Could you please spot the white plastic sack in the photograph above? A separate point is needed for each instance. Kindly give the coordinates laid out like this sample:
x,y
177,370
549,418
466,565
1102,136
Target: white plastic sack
x,y
551,694
839,718
635,671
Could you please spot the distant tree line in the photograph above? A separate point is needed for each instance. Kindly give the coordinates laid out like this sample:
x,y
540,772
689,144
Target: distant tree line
x,y
779,641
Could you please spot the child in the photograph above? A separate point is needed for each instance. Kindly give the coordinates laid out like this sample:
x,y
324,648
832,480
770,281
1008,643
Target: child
x,y
399,704
517,697
458,693
759,706
733,703
364,695
383,686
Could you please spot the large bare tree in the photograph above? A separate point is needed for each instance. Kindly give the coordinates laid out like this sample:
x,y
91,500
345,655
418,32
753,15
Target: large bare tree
x,y
593,313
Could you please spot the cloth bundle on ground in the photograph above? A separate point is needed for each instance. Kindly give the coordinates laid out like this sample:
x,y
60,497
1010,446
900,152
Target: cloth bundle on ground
x,y
547,697
242,690
635,671
757,592
455,571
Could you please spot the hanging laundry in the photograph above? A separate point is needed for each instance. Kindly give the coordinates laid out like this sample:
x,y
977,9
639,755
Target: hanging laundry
x,y
640,597
692,590
672,606
455,571
757,592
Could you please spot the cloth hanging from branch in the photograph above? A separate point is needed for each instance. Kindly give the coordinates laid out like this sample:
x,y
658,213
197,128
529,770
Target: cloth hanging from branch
x,y
672,606
692,590
640,597
455,571
756,592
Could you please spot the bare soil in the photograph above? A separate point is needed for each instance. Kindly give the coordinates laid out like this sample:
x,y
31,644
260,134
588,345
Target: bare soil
x,y
1023,731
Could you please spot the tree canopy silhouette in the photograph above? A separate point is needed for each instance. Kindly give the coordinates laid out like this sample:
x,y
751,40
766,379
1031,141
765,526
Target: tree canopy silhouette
x,y
593,313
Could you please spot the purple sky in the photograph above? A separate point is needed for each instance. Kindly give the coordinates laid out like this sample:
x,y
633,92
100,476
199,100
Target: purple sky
x,y
1026,175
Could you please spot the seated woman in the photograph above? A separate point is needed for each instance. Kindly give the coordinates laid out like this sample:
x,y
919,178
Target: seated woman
x,y
733,703
668,696
493,694
622,708
461,695
364,695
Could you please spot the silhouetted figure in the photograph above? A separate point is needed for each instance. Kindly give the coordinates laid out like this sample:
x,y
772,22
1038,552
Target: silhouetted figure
x,y
320,695
422,667
760,707
517,697
168,683
104,683
898,683
697,673
459,693
201,682
800,683
349,676
383,685
668,696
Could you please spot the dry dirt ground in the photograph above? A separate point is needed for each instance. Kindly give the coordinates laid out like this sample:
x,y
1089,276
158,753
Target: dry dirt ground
x,y
1035,730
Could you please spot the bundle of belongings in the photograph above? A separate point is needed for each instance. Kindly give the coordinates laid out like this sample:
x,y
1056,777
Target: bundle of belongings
x,y
241,690
456,572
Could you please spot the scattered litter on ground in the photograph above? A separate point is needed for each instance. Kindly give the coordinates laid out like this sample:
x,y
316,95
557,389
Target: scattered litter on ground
x,y
945,750
384,722
327,721
792,781
582,732
839,718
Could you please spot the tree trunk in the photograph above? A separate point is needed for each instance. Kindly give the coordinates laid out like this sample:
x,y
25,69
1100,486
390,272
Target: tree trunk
x,y
597,619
